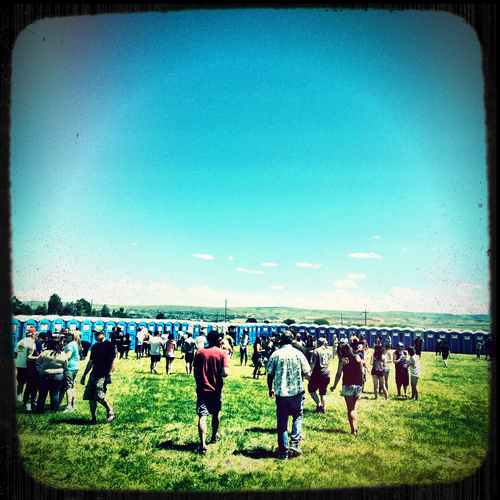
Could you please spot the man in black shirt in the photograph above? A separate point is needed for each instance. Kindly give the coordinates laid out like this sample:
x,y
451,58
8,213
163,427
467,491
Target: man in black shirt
x,y
418,342
102,363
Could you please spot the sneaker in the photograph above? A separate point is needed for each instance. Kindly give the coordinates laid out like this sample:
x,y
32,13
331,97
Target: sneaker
x,y
295,450
93,421
111,415
318,409
202,450
215,439
68,409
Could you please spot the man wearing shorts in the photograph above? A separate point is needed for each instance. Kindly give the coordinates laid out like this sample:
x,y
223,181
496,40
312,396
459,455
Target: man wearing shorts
x,y
320,374
210,367
20,353
156,344
102,363
189,348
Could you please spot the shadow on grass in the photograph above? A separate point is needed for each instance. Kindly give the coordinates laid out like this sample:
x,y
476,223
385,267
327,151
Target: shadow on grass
x,y
274,430
170,445
79,421
337,431
257,453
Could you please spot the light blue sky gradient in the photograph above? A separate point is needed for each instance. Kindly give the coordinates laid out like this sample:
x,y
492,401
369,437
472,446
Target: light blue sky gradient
x,y
170,158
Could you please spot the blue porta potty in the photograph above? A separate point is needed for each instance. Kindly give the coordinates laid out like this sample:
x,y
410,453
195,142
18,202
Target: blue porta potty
x,y
468,343
455,341
406,336
430,339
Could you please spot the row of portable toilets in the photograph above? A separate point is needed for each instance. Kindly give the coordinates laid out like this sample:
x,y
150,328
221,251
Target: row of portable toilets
x,y
462,342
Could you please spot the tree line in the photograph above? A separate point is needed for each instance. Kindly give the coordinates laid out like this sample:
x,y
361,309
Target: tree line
x,y
56,307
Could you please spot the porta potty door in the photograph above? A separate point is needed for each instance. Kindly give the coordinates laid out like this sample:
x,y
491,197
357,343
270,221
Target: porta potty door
x,y
468,342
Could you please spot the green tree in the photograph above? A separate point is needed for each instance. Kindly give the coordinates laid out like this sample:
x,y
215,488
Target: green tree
x,y
289,322
321,322
41,310
55,305
83,308
251,320
105,312
69,309
160,316
120,313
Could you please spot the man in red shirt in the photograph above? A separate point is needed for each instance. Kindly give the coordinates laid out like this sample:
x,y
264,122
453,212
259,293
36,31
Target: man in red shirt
x,y
210,366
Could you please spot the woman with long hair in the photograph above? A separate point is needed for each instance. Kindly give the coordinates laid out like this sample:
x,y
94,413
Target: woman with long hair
x,y
378,363
415,372
170,348
350,366
54,361
257,357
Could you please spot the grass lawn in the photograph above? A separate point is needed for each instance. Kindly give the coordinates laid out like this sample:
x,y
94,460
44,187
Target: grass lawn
x,y
152,443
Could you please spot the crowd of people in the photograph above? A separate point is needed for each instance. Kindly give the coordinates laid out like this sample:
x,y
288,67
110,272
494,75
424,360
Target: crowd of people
x,y
48,364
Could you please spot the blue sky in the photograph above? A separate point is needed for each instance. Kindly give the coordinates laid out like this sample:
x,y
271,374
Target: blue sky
x,y
303,158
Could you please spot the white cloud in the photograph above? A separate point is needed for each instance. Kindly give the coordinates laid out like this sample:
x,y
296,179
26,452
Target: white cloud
x,y
407,249
133,244
276,287
269,264
354,276
122,286
377,237
231,257
307,264
249,272
467,287
370,255
203,256
344,284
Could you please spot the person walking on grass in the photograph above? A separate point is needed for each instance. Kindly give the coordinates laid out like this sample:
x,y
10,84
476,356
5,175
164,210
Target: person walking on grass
x,y
102,363
210,367
201,339
70,373
378,362
415,372
479,345
286,369
418,343
320,374
351,371
189,350
438,346
244,340
155,347
139,338
170,348
257,357
445,353
399,358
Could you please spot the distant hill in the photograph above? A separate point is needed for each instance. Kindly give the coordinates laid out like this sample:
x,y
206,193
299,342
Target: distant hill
x,y
472,322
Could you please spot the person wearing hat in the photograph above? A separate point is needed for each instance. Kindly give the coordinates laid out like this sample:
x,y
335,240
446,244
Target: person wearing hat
x,y
402,379
418,343
320,374
210,367
20,355
244,341
286,369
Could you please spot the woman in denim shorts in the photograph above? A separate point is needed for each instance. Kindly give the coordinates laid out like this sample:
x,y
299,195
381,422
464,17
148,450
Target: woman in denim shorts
x,y
350,366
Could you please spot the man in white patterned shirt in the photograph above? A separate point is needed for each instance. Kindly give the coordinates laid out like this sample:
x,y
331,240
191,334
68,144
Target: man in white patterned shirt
x,y
287,368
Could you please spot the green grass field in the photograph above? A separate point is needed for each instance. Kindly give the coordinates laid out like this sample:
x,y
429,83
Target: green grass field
x,y
152,443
